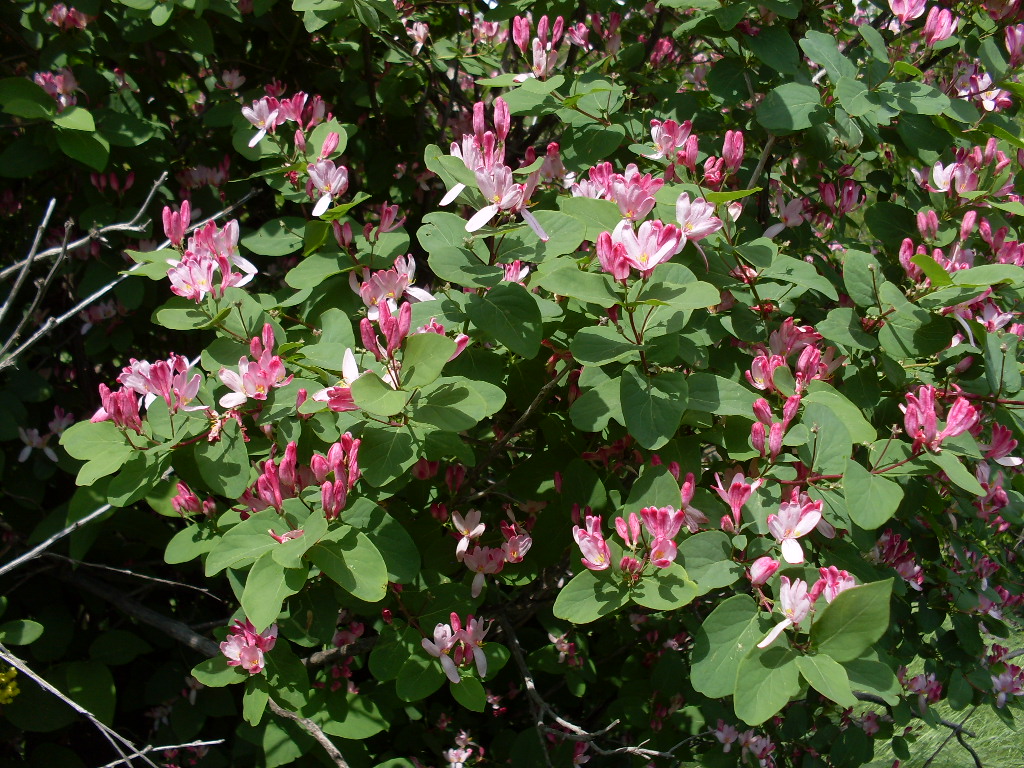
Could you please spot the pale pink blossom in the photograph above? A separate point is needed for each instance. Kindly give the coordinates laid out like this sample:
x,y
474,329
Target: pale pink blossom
x,y
796,605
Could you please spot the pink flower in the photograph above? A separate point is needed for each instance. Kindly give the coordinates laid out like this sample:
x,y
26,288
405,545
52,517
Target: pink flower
x,y
254,379
921,419
469,528
244,647
796,604
667,136
832,582
596,555
696,218
663,524
907,10
737,494
793,521
176,222
761,570
329,180
483,560
939,25
263,114
440,648
339,397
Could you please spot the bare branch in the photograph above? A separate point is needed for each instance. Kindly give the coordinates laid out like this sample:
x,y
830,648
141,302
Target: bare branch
x,y
147,750
170,627
136,575
55,322
109,734
41,289
137,224
312,729
35,551
183,634
955,727
27,263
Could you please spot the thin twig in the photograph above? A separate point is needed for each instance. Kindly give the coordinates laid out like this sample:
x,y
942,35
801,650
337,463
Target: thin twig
x,y
35,551
109,734
170,627
872,698
321,658
183,634
312,729
514,429
135,225
147,750
570,731
41,290
27,263
947,739
135,575
54,322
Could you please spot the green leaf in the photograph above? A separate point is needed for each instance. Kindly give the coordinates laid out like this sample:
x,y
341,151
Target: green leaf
x,y
592,410
469,693
787,269
872,676
396,546
423,357
21,97
932,270
765,682
180,314
789,107
75,119
652,406
92,686
843,327
89,148
824,50
720,644
713,394
277,237
828,678
564,278
385,454
602,345
351,560
853,622
596,215
266,587
860,429
392,649
890,223
20,632
349,716
870,499
589,596
216,673
914,98
775,47
708,559
656,487
461,266
86,440
861,271
254,700
665,589
189,543
224,465
313,270
138,476
957,473
509,314
854,96
372,394
419,677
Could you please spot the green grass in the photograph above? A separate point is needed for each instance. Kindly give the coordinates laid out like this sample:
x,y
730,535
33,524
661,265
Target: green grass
x,y
997,745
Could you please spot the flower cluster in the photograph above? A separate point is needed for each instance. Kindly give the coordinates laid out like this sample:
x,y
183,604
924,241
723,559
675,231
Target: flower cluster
x,y
457,646
245,646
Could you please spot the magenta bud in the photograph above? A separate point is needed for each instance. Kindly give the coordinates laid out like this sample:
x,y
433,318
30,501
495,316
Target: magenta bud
x,y
761,570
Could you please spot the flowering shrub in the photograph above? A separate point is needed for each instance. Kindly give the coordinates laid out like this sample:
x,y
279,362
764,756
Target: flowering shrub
x,y
737,282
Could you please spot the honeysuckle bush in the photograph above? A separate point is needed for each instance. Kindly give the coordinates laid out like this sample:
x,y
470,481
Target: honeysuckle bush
x,y
635,385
